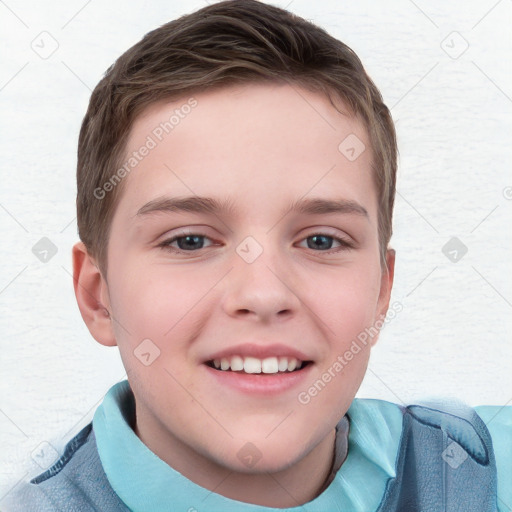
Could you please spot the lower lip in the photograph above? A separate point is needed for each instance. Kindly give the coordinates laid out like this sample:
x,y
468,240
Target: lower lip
x,y
260,383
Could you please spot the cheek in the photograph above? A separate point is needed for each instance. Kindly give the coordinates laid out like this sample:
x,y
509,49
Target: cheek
x,y
349,302
168,308
155,321
150,304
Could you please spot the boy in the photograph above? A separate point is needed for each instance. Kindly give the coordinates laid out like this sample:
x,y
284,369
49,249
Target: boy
x,y
236,180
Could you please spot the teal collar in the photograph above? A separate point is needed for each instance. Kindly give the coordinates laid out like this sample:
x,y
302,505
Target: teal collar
x,y
145,483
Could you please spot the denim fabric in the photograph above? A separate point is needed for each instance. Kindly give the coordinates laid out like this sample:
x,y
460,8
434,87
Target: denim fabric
x,y
69,451
75,483
445,464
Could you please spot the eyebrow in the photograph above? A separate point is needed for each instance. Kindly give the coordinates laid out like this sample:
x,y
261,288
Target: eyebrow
x,y
210,205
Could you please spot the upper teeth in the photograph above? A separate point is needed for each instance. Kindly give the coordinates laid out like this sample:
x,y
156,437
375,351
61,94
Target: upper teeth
x,y
255,365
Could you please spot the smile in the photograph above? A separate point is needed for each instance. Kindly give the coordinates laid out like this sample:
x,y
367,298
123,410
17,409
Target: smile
x,y
252,365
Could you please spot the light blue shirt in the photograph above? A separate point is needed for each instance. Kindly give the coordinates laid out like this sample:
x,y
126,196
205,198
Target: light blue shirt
x,y
145,483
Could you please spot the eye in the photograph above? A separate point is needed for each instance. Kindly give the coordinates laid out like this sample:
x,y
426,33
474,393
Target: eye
x,y
193,242
323,242
187,242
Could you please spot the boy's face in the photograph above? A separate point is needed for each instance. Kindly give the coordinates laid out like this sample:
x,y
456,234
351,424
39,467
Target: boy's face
x,y
254,281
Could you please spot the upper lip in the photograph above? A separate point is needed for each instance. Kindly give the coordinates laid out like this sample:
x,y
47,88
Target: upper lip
x,y
259,351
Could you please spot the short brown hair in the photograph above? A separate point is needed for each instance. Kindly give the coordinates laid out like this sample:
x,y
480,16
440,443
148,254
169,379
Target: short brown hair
x,y
230,42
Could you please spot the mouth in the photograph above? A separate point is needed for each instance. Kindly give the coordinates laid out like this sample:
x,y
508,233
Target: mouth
x,y
259,369
253,365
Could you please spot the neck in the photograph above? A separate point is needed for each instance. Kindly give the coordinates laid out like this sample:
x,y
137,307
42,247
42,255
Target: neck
x,y
297,484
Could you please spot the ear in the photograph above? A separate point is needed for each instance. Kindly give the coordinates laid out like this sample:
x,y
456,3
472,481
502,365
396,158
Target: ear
x,y
386,285
91,291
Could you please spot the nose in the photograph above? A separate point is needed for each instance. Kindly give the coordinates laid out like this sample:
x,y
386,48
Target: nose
x,y
262,289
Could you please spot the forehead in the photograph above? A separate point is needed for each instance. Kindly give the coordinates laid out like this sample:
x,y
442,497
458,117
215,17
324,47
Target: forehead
x,y
258,144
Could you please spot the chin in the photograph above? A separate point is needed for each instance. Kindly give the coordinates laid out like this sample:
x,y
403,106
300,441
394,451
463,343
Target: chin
x,y
266,465
262,456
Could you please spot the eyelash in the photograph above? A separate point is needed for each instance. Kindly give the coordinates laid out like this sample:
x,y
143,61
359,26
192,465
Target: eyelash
x,y
166,244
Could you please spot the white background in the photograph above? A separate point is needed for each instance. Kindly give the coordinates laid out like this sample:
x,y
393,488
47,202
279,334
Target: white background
x,y
453,112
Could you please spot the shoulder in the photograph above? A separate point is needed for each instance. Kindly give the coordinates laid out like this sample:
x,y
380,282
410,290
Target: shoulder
x,y
481,435
75,483
474,428
498,420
